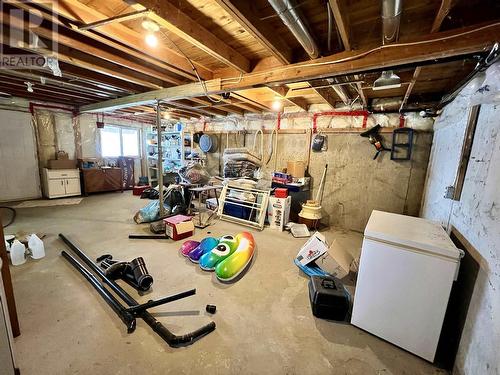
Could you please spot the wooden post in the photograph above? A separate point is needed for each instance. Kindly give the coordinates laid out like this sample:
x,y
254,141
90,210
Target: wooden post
x,y
7,282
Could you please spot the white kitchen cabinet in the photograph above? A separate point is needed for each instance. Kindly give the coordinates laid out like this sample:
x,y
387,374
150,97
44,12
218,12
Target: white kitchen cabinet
x,y
61,182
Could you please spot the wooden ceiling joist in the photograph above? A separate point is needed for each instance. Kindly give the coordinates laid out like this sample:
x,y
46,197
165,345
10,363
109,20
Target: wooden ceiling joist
x,y
443,11
242,12
341,16
174,20
126,37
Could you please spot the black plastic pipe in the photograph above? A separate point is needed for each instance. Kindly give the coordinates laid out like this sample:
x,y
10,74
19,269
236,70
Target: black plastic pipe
x,y
126,316
160,329
161,301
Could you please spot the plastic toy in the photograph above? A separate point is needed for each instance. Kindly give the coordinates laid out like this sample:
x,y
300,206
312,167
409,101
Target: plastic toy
x,y
232,266
227,245
204,247
189,246
227,256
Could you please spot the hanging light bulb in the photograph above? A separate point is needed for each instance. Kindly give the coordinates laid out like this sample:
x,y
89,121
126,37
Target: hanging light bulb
x,y
276,106
151,27
167,115
151,40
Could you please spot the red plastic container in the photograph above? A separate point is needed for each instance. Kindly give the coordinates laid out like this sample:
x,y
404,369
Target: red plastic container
x,y
281,193
139,189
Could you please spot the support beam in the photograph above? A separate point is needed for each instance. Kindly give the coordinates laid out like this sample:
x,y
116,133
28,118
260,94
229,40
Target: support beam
x,y
327,95
241,11
341,15
429,49
416,73
177,22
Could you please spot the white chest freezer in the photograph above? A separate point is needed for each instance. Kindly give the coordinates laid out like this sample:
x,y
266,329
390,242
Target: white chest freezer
x,y
406,272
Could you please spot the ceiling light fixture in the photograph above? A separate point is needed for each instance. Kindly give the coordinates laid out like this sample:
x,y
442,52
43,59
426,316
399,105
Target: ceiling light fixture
x,y
151,40
276,106
151,27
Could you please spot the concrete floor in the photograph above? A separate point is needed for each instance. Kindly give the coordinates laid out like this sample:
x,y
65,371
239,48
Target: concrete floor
x,y
264,321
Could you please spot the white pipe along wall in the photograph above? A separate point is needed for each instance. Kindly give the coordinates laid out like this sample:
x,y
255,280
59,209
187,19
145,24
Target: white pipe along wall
x,y
475,220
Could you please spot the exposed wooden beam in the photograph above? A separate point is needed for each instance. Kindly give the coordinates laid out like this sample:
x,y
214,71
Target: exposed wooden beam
x,y
128,40
443,11
429,49
327,95
283,91
173,19
241,11
409,89
98,51
341,15
359,89
119,18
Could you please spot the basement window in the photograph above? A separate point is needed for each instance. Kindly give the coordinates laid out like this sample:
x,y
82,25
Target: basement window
x,y
117,141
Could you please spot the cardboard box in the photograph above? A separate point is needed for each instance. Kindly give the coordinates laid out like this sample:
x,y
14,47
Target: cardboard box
x,y
337,261
61,164
315,247
179,227
296,168
278,212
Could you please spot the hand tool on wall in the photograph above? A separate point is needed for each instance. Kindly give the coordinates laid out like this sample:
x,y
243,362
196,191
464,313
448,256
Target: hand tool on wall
x,y
373,135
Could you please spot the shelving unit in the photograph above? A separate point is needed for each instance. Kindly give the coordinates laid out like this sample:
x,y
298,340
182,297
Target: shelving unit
x,y
173,150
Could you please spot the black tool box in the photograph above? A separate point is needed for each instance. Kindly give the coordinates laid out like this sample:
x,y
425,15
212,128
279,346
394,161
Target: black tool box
x,y
329,298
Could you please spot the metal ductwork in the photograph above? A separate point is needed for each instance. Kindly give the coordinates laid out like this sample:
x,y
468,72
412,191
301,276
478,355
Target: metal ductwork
x,y
391,18
286,10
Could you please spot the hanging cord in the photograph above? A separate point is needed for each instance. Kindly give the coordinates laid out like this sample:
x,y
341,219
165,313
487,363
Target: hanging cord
x,y
271,148
13,216
200,80
261,143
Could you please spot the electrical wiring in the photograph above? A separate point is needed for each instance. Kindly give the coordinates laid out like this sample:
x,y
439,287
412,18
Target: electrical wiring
x,y
363,54
200,80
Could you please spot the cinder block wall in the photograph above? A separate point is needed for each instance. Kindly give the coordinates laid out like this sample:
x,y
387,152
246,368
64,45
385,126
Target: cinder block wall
x,y
355,184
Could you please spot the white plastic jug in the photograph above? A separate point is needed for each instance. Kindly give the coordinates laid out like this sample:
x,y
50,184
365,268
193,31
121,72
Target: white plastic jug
x,y
17,251
35,244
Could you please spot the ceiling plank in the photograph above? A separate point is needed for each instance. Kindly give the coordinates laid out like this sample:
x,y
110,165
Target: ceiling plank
x,y
341,15
129,39
241,11
327,95
179,23
448,44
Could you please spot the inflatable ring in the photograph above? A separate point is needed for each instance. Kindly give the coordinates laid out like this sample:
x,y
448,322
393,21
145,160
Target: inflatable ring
x,y
188,246
230,267
227,246
204,247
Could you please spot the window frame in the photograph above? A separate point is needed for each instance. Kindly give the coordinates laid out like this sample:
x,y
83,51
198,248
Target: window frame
x,y
120,129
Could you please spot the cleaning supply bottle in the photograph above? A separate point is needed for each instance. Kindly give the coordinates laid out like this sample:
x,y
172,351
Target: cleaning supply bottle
x,y
35,244
17,251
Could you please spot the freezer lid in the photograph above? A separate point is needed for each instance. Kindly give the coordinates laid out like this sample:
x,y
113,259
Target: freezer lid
x,y
411,231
